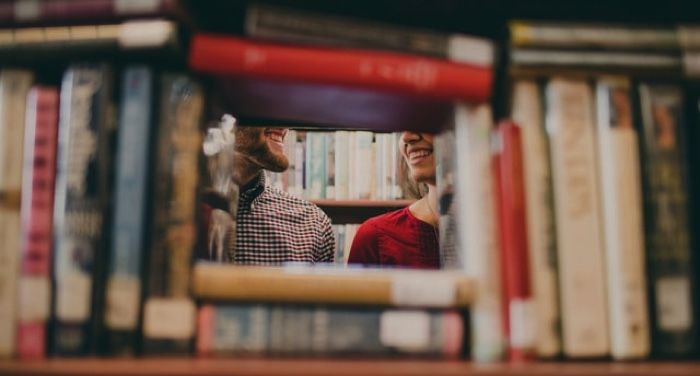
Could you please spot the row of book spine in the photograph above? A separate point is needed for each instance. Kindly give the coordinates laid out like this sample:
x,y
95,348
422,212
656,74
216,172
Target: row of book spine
x,y
341,165
107,201
576,219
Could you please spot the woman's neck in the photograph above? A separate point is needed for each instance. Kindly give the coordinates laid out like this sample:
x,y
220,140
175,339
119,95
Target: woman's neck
x,y
426,209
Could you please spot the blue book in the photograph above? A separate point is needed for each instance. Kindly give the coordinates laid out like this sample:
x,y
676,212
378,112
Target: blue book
x,y
130,208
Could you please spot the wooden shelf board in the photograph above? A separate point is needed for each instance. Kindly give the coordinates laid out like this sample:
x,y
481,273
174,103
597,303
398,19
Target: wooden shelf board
x,y
363,203
266,366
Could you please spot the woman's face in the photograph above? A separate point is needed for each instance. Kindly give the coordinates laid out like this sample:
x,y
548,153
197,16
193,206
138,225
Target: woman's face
x,y
417,151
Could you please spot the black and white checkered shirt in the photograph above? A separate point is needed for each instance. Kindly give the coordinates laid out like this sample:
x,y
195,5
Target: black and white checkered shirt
x,y
275,227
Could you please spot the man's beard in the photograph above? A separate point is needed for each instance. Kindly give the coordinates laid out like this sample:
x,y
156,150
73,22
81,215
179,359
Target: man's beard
x,y
252,143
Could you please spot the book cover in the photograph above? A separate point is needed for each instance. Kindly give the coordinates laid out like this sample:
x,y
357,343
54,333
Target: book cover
x,y
296,26
620,186
131,184
539,209
478,229
226,55
626,61
81,208
331,285
38,178
305,103
30,12
671,280
571,129
14,86
519,312
592,36
169,311
60,43
234,329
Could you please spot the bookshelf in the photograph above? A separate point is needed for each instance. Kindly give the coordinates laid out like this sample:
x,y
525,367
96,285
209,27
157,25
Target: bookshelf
x,y
313,367
357,211
480,18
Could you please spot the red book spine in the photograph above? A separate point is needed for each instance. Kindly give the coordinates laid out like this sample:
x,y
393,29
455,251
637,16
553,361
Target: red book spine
x,y
226,55
514,253
37,220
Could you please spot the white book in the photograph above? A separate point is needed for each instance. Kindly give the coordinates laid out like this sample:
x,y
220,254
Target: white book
x,y
380,165
14,87
352,162
342,158
299,165
527,113
571,129
364,164
620,182
477,237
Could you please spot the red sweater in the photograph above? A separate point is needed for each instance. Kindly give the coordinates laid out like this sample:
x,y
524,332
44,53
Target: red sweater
x,y
397,239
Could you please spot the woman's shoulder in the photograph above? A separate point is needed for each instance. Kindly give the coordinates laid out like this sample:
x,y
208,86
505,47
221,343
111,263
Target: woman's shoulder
x,y
388,220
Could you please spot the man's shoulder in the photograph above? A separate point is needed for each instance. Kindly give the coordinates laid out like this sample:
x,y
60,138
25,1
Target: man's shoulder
x,y
295,203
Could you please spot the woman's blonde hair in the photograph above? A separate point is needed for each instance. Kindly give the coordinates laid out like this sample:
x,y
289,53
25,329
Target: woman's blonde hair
x,y
410,188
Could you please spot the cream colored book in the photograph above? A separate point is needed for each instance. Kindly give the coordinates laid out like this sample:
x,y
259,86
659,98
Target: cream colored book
x,y
14,87
580,242
527,113
477,237
620,186
332,285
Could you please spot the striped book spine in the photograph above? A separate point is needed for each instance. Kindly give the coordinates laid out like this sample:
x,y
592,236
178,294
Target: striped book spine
x,y
169,311
81,202
40,142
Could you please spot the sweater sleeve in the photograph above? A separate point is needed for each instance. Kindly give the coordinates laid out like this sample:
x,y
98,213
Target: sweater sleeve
x,y
364,249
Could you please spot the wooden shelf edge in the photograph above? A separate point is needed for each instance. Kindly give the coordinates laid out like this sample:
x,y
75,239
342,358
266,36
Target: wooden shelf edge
x,y
342,367
363,203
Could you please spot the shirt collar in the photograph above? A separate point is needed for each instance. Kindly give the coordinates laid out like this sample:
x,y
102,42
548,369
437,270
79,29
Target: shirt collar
x,y
254,188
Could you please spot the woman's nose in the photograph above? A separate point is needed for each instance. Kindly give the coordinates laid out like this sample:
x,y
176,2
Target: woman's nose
x,y
410,137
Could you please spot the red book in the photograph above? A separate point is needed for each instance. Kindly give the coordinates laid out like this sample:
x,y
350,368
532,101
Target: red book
x,y
39,175
227,55
518,309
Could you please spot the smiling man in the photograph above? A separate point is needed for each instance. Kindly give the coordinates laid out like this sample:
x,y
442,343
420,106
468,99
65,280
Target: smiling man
x,y
273,226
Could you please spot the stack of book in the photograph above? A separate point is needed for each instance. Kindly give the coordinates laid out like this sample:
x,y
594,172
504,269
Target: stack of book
x,y
593,195
87,235
324,311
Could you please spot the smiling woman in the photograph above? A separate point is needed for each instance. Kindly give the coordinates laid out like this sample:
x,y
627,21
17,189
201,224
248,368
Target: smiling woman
x,y
406,237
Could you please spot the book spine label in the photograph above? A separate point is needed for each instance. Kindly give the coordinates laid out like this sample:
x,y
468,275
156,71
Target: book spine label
x,y
295,26
541,235
514,251
14,86
49,11
531,34
624,228
268,329
173,225
38,180
379,70
669,253
82,191
577,208
131,184
474,187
